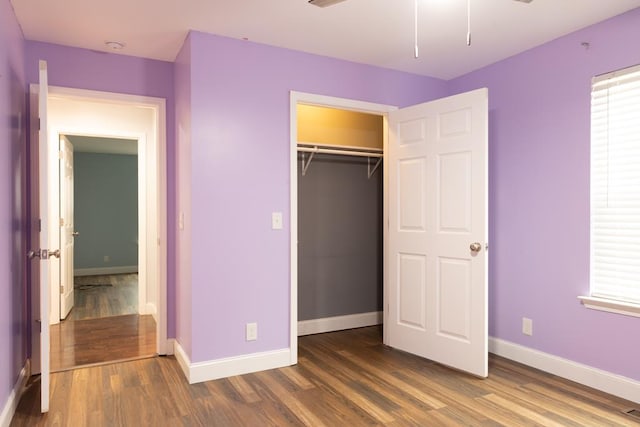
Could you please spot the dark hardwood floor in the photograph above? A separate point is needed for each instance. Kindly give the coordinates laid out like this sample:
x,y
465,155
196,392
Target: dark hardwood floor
x,y
103,296
103,326
108,339
343,378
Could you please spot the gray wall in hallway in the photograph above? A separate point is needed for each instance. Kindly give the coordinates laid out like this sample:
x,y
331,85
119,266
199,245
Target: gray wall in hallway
x,y
106,210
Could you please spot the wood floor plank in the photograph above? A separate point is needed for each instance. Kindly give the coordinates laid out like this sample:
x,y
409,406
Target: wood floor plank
x,y
345,378
333,409
294,375
245,390
349,393
521,410
614,418
405,388
301,412
469,406
570,415
87,342
104,295
103,325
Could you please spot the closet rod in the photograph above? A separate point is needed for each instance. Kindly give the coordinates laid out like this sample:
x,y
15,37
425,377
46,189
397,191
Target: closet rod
x,y
338,147
338,151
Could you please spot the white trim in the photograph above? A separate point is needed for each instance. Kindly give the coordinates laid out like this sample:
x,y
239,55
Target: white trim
x,y
230,366
159,261
338,323
385,230
181,358
296,98
293,227
171,347
611,306
99,271
14,397
608,382
150,308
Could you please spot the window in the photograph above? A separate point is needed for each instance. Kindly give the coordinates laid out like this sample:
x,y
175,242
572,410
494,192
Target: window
x,y
615,189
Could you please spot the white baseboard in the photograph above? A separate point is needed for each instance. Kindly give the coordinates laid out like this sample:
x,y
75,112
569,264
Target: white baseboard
x,y
98,271
338,323
14,397
150,308
171,347
230,366
608,382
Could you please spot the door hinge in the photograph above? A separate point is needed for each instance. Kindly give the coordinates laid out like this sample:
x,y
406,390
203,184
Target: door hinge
x,y
61,222
60,154
38,123
61,289
39,225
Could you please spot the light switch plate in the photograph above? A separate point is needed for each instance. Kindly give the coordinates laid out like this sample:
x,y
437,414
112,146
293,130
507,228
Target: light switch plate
x,y
276,220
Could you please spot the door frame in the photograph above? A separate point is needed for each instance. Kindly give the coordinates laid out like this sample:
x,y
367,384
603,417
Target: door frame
x,y
342,104
157,147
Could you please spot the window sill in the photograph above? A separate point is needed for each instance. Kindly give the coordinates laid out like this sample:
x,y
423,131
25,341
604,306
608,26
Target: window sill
x,y
612,306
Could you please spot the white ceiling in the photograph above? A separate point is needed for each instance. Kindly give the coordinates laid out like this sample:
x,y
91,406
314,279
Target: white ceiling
x,y
376,32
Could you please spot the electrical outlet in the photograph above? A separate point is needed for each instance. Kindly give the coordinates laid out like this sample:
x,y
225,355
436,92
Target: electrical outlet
x,y
527,326
252,331
107,258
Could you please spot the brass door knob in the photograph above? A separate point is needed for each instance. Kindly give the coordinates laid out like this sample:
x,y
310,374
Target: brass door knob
x,y
475,247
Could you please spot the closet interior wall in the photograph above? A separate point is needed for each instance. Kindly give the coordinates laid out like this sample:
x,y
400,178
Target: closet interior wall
x,y
340,238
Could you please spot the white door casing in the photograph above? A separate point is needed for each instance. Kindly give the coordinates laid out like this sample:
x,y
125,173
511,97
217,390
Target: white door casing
x,y
106,114
323,101
437,200
67,227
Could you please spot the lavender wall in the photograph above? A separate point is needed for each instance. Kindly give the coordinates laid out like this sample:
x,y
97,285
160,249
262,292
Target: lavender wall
x,y
240,174
182,85
13,314
539,195
86,69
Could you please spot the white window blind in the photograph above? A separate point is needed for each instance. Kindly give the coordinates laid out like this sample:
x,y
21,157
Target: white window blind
x,y
615,185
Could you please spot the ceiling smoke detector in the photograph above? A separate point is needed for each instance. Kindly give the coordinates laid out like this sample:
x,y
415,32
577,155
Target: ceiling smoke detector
x,y
325,3
113,45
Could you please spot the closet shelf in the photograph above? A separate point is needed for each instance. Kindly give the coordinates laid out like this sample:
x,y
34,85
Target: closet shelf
x,y
314,149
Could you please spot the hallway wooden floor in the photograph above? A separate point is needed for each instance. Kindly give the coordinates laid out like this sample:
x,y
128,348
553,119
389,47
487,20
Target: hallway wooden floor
x,y
103,325
103,296
107,339
343,378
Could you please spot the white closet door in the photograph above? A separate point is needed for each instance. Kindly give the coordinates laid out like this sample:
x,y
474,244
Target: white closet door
x,y
437,261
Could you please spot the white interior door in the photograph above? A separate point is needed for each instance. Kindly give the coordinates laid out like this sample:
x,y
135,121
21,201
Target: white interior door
x,y
437,261
39,254
67,227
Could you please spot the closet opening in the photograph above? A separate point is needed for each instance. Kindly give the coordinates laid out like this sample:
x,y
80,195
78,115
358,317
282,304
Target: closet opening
x,y
340,242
